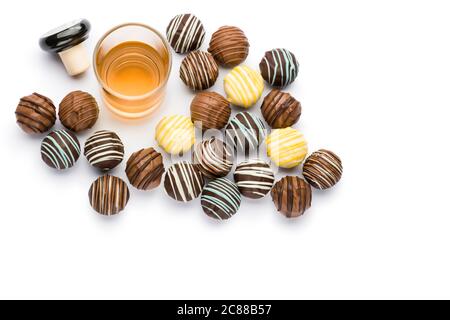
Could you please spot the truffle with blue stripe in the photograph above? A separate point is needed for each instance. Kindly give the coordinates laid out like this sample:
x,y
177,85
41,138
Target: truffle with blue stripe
x,y
221,199
60,149
279,67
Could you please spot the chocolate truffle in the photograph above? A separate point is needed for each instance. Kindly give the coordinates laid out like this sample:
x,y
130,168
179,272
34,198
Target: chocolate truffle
x,y
245,132
109,195
209,110
254,178
145,169
213,158
183,182
104,150
35,114
287,148
229,46
280,109
60,149
221,199
185,33
175,134
292,196
243,86
279,67
323,169
199,70
78,111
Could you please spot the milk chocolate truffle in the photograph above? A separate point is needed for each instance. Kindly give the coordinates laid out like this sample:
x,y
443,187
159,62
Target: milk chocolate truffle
x,y
221,199
279,67
280,109
60,149
185,33
254,178
199,70
209,110
109,195
292,196
183,182
145,169
323,169
104,150
245,132
229,46
213,158
78,111
35,114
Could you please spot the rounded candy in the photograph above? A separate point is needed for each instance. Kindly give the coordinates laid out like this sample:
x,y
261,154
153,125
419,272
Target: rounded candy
x,y
323,169
209,110
254,178
243,86
221,199
104,150
280,109
78,111
279,67
287,148
145,169
213,158
175,134
109,195
199,70
292,196
35,114
245,132
183,182
185,33
60,149
229,46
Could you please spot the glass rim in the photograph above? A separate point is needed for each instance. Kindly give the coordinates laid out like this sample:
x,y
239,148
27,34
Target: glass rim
x,y
114,92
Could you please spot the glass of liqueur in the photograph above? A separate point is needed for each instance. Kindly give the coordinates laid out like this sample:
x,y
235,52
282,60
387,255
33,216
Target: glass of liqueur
x,y
132,63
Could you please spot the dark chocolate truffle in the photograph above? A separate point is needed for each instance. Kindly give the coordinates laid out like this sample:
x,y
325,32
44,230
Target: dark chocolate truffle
x,y
254,179
279,67
78,111
245,132
185,33
280,109
109,195
229,46
323,169
35,114
221,199
292,196
145,169
199,70
183,182
213,158
104,150
60,149
209,110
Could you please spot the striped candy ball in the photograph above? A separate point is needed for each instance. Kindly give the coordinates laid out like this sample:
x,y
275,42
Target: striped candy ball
x,y
279,67
287,148
254,178
221,199
175,134
104,150
60,149
213,157
109,195
185,33
199,70
145,169
323,169
292,196
243,86
245,132
183,182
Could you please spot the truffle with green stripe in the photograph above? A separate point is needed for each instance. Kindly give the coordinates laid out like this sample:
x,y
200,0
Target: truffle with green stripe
x,y
279,67
245,132
221,199
60,149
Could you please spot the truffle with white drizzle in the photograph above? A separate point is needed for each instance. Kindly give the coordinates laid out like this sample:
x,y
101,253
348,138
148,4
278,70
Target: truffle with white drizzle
x,y
104,150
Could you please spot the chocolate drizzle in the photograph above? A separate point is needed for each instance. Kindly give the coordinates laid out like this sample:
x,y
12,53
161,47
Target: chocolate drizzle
x,y
145,169
35,114
78,111
292,196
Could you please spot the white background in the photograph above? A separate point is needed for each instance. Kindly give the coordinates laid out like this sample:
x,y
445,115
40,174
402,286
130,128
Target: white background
x,y
374,84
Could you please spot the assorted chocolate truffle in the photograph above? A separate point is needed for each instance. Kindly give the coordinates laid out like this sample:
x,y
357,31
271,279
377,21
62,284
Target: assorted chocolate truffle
x,y
254,178
245,132
229,46
323,169
221,199
280,109
209,110
292,196
183,182
175,134
78,111
199,70
243,86
145,169
185,33
60,149
287,148
104,150
213,158
279,67
35,114
109,195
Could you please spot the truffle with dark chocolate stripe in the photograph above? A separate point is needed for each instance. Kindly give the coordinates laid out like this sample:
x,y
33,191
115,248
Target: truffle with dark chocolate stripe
x,y
60,149
221,199
209,110
279,67
185,33
104,150
35,114
229,46
183,182
245,132
213,158
109,195
323,169
199,70
280,109
145,169
292,196
78,111
254,178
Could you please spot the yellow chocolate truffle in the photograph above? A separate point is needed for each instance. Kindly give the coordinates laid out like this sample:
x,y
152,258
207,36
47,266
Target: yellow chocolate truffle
x,y
244,86
287,148
175,134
